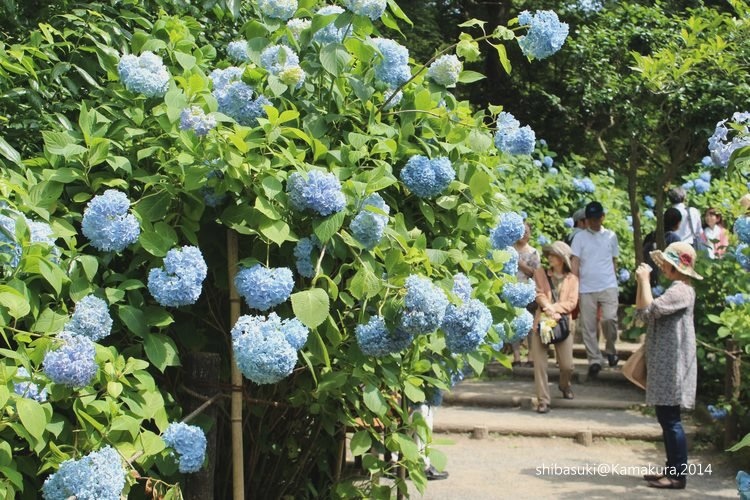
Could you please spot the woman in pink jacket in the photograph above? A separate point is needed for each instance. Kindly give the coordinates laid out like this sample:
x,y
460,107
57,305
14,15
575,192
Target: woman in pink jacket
x,y
556,274
714,237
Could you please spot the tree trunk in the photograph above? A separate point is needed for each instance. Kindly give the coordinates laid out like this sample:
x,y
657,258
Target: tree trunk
x,y
732,391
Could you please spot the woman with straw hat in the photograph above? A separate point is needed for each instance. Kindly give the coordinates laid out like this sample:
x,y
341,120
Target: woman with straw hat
x,y
557,278
670,353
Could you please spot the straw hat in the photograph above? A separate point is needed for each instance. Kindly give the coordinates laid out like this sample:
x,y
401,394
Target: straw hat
x,y
681,255
561,249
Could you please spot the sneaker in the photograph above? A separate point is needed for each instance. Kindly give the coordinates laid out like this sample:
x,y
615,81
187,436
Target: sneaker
x,y
433,474
594,369
613,359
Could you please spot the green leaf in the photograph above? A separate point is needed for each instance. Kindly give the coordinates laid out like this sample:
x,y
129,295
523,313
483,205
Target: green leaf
x,y
133,319
503,55
311,306
374,400
153,206
9,152
361,443
276,230
437,458
161,351
365,284
14,301
90,265
479,183
324,229
414,393
742,444
470,76
478,141
60,143
98,151
406,446
32,416
334,57
52,274
157,243
187,61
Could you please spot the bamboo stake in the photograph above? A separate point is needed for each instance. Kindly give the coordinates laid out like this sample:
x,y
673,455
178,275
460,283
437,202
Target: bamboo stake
x,y
238,466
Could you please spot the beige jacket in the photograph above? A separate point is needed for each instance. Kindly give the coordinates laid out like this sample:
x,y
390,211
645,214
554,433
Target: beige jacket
x,y
568,296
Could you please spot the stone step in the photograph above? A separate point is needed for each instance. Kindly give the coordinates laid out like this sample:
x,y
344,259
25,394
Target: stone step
x,y
624,349
580,375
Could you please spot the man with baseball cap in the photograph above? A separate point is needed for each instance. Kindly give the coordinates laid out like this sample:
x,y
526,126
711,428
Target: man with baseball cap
x,y
595,252
579,224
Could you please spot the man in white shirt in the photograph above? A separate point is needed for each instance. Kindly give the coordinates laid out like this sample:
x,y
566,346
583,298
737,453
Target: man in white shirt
x,y
690,226
594,261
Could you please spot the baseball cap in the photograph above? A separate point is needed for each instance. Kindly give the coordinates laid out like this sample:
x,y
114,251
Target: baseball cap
x,y
579,214
594,210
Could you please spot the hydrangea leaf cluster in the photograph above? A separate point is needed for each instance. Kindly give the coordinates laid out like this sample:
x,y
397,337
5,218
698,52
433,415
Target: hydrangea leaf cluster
x,y
195,119
546,33
519,294
90,318
427,178
737,299
297,26
445,70
584,185
511,138
27,388
462,286
424,306
721,146
97,476
466,326
282,61
509,229
180,281
330,33
39,232
500,329
623,275
511,266
368,226
317,191
144,74
278,9
235,97
392,67
266,348
303,252
369,8
374,338
189,443
108,223
742,228
73,363
211,197
237,51
521,325
264,288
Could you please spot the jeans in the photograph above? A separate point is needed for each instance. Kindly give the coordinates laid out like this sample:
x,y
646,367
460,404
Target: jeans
x,y
675,442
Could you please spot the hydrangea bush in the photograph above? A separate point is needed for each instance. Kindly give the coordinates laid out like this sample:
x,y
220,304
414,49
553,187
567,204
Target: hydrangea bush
x,y
348,180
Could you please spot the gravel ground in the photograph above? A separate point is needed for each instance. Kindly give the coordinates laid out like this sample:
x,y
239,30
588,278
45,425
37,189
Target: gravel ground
x,y
511,467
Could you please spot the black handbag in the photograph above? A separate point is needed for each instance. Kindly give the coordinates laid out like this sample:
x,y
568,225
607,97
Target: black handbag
x,y
561,331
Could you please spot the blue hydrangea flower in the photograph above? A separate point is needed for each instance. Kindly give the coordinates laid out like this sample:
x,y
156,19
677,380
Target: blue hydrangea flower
x,y
548,161
569,222
427,178
466,326
705,175
26,387
297,26
39,232
317,191
392,103
743,484
623,275
374,338
521,325
73,363
588,6
393,65
195,119
707,161
584,185
553,171
537,163
212,197
180,281
97,476
742,228
721,146
91,318
542,239
260,345
189,443
649,214
220,78
275,58
509,229
9,247
650,201
330,33
264,288
657,291
368,226
445,70
546,34
500,329
511,266
701,186
462,286
737,299
424,306
235,99
278,9
717,413
519,294
303,254
108,224
369,8
511,138
688,185
144,74
237,51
